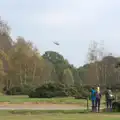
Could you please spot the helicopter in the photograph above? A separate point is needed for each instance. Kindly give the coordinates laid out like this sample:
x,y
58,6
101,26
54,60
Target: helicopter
x,y
56,43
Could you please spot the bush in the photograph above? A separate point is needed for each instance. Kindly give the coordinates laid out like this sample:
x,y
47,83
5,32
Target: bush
x,y
82,93
116,106
14,91
48,91
21,90
87,87
72,91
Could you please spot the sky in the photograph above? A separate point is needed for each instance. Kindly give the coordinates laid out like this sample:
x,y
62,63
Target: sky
x,y
73,23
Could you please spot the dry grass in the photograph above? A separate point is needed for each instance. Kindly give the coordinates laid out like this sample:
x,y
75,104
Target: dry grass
x,y
61,117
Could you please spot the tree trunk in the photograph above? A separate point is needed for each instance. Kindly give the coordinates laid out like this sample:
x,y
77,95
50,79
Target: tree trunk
x,y
21,76
34,71
25,74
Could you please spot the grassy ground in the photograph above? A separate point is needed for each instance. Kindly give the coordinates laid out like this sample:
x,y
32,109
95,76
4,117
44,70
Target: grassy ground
x,y
19,100
23,99
38,112
56,115
61,117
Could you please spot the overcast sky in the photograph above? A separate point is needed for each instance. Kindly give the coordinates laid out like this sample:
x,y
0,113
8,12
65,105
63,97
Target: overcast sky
x,y
73,23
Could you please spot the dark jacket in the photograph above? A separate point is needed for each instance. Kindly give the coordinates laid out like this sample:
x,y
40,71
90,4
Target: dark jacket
x,y
109,95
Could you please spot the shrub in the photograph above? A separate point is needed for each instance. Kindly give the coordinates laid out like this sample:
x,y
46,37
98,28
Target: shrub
x,y
14,91
19,90
82,93
116,106
48,91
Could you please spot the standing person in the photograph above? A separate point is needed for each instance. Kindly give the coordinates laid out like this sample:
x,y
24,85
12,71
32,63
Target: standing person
x,y
98,100
93,98
98,88
109,98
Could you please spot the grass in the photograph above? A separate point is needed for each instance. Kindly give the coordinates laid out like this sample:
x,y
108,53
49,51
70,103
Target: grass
x,y
61,117
7,115
23,99
38,112
56,115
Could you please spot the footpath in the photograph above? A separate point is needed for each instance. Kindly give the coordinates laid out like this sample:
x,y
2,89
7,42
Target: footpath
x,y
41,106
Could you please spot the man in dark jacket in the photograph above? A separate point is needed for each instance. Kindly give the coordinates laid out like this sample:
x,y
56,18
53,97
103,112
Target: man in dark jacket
x,y
109,98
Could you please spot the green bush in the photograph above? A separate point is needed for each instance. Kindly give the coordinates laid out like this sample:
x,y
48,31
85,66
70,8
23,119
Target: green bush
x,y
48,91
87,87
21,90
14,91
116,106
81,93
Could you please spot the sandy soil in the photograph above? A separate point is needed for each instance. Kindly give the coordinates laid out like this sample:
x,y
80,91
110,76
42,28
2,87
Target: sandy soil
x,y
29,105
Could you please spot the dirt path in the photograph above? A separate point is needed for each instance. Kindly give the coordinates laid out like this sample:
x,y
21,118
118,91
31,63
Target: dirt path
x,y
112,116
40,106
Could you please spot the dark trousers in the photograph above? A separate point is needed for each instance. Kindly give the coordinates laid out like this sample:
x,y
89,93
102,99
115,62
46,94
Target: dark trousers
x,y
109,104
97,104
93,105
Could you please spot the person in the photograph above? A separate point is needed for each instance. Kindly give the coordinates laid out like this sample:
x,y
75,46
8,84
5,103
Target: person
x,y
98,89
93,98
109,98
98,100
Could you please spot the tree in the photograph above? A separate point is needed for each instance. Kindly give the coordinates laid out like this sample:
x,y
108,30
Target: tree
x,y
68,79
4,67
101,69
24,59
5,40
83,72
108,70
60,64
95,54
54,57
4,28
76,72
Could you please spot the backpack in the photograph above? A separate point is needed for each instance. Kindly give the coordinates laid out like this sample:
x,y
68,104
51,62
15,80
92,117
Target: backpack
x,y
110,95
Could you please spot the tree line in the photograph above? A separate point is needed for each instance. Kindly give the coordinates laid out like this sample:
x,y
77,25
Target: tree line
x,y
23,69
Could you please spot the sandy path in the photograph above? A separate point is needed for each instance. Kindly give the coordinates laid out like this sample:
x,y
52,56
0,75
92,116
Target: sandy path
x,y
40,106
